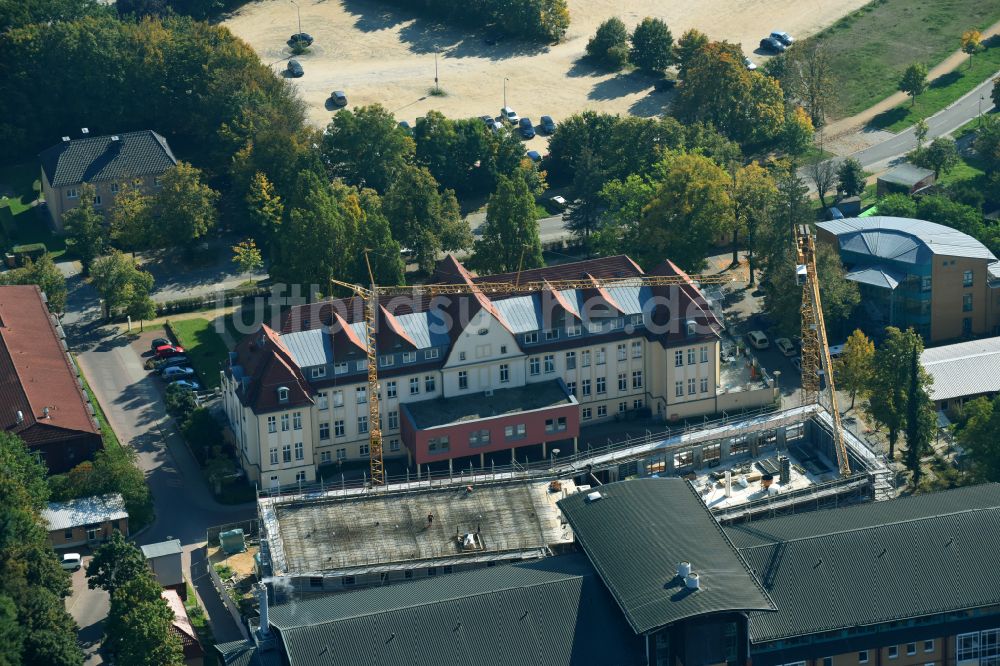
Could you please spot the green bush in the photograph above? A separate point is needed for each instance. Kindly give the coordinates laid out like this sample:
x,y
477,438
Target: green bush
x,y
179,401
202,432
609,45
32,251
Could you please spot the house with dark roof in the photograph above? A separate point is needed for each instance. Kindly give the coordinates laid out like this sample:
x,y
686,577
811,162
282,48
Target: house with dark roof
x,y
940,281
475,377
107,162
42,399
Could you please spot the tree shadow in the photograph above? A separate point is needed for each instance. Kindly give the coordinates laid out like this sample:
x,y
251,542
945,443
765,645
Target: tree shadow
x,y
619,85
887,118
651,105
946,79
584,66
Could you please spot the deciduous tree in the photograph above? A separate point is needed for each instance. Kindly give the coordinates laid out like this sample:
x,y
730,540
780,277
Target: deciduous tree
x,y
754,196
119,282
183,209
853,369
850,178
265,208
824,176
941,156
797,133
972,43
366,147
115,563
981,437
139,625
609,45
246,255
131,223
891,381
43,273
85,228
920,130
688,46
914,81
510,239
920,418
808,77
652,45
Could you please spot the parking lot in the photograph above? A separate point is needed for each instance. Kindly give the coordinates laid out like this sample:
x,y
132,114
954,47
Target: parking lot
x,y
88,607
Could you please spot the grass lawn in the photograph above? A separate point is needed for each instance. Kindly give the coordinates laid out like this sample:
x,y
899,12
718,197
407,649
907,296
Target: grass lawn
x,y
942,91
19,222
203,346
870,48
967,169
109,436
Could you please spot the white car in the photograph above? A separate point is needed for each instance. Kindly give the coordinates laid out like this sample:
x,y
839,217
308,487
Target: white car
x,y
510,115
758,340
71,561
751,65
783,37
836,351
785,346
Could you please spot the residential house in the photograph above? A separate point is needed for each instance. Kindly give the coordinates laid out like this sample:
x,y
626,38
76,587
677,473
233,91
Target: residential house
x,y
86,521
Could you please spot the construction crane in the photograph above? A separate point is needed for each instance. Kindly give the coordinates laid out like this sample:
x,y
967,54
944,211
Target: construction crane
x,y
371,294
815,348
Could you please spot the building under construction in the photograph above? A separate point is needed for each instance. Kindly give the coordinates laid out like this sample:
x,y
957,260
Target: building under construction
x,y
320,540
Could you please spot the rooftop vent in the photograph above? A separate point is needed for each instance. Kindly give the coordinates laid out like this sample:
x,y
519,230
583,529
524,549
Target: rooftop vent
x,y
692,581
594,496
20,416
84,131
65,139
115,138
45,412
683,569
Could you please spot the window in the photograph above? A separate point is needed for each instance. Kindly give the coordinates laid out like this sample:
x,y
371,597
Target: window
x,y
622,407
585,387
323,401
430,383
929,645
114,188
446,569
274,455
297,421
338,428
361,395
347,580
827,661
461,356
324,456
504,373
299,451
704,354
637,379
341,454
574,329
414,385
68,534
390,389
318,372
272,424
967,279
284,422
338,398
479,437
552,334
282,394
437,443
463,380
966,302
530,338
637,404
432,571
571,360
386,361
691,356
362,424
622,352
600,356
863,657
97,200
394,445
339,368
893,651
703,388
925,283
691,386
601,385
911,649
71,193
571,387
678,358
512,432
637,349
585,359
586,414
393,420
324,431
360,366
622,381
431,354
555,425
534,366
364,449
286,453
679,389
550,363
408,573
602,411
409,357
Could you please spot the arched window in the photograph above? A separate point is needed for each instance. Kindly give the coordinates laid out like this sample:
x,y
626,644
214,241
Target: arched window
x,y
282,394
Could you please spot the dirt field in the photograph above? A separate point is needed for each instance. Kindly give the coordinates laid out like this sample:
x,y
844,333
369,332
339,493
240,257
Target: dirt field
x,y
378,53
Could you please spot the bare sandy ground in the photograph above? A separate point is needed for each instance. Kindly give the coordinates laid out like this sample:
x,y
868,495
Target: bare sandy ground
x,y
378,53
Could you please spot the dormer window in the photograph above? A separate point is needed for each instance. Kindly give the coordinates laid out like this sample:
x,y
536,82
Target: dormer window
x,y
282,394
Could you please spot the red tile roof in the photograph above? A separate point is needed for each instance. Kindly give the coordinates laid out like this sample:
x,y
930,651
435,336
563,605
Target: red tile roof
x,y
36,372
268,365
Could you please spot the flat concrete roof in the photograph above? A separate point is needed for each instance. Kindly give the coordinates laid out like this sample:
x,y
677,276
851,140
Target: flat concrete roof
x,y
331,536
443,411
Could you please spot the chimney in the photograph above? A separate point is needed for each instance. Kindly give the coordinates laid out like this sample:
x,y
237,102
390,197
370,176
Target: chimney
x,y
265,626
729,483
692,581
84,131
20,417
45,412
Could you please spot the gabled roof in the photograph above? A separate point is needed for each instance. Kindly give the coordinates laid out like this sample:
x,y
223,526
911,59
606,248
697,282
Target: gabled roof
x,y
107,158
84,511
552,612
161,548
874,563
182,625
906,174
963,369
878,276
262,365
902,239
635,547
36,372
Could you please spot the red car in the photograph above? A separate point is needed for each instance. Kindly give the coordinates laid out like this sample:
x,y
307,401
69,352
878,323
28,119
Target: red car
x,y
166,351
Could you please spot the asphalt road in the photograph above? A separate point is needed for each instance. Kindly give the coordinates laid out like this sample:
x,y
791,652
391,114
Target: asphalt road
x,y
89,608
550,229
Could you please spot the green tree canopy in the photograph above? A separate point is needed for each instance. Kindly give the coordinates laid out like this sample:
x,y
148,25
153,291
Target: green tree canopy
x,y
920,416
265,209
120,282
114,564
853,370
130,219
609,45
687,48
652,45
941,156
914,81
850,178
46,275
183,209
891,383
981,437
139,626
366,147
85,228
510,239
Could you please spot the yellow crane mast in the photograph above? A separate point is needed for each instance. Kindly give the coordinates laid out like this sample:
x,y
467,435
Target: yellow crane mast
x,y
815,348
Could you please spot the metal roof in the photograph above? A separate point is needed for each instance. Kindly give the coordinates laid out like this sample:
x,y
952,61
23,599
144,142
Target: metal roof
x,y
637,533
963,369
153,550
309,348
906,173
551,612
875,563
879,276
903,239
103,158
84,511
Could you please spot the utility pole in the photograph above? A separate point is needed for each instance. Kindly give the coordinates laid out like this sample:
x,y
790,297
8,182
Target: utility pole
x,y
298,13
436,86
505,92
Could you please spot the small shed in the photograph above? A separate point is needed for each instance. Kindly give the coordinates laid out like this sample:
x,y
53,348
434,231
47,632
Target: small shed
x,y
86,520
164,558
904,178
232,541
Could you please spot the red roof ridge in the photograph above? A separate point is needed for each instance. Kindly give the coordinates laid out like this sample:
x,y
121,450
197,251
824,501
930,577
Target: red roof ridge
x,y
561,300
395,326
604,294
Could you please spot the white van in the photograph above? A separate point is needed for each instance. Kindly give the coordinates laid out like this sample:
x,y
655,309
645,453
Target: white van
x,y
836,351
758,339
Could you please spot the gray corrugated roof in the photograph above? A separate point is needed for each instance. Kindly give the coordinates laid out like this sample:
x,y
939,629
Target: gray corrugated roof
x,y
503,402
84,511
635,549
906,174
903,239
966,368
550,612
162,548
879,276
875,563
100,158
309,348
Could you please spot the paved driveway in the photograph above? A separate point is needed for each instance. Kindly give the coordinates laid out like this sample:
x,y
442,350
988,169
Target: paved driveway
x,y
89,608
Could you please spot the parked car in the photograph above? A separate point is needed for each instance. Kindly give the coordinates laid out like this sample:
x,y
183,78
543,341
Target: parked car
x,y
663,85
294,69
548,125
526,128
159,342
772,45
493,124
405,126
833,213
758,339
166,351
303,38
338,98
189,384
836,351
785,346
783,37
534,156
751,65
557,204
163,364
71,561
510,115
177,372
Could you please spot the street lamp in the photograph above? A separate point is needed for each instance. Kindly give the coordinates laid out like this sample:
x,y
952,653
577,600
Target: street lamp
x,y
298,12
436,86
505,92
981,98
